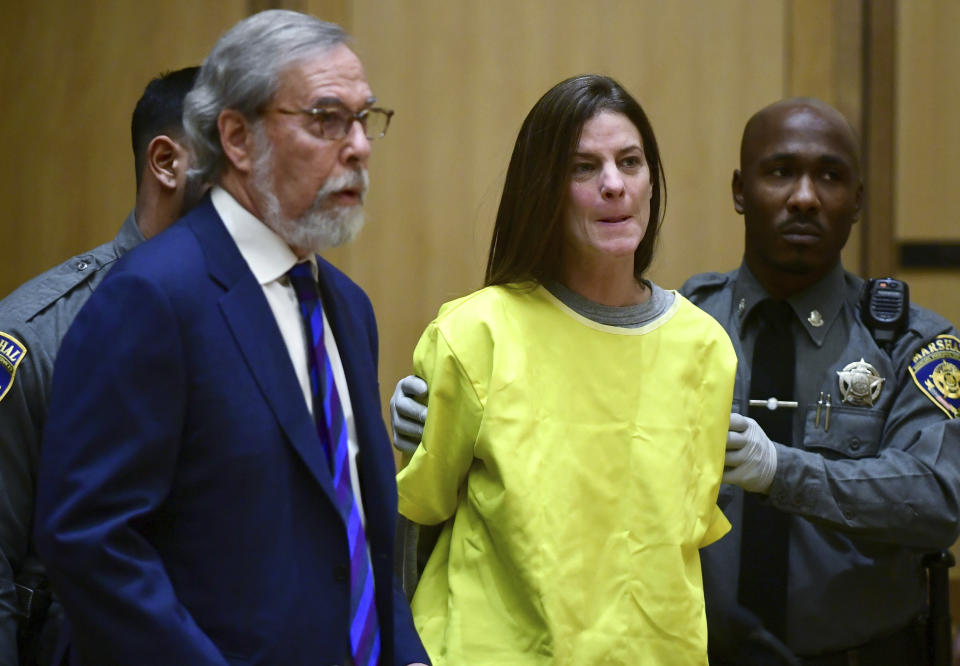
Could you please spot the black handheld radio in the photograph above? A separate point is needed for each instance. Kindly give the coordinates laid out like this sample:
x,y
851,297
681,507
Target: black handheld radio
x,y
885,309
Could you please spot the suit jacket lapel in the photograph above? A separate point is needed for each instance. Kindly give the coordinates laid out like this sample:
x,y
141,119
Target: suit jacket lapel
x,y
255,332
360,370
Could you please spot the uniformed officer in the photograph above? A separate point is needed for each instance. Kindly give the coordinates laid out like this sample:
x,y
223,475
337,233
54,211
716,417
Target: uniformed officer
x,y
33,321
872,479
866,477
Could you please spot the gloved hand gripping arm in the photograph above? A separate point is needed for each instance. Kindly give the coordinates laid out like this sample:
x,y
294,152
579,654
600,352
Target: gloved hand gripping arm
x,y
407,415
751,459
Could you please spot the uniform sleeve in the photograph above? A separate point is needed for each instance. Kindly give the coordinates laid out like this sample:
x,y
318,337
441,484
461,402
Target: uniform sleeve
x,y
430,484
110,449
21,418
906,494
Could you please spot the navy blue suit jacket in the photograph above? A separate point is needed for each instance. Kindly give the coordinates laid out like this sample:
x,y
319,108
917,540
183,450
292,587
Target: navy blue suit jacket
x,y
185,508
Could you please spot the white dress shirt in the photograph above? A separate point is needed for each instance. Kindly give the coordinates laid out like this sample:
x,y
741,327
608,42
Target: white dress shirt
x,y
269,258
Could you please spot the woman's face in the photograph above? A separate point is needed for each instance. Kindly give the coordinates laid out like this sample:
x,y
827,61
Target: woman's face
x,y
609,204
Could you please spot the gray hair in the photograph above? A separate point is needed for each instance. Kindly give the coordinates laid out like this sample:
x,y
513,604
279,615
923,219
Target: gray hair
x,y
242,73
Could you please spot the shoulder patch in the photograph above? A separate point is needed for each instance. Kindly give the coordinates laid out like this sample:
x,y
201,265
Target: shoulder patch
x,y
935,368
12,352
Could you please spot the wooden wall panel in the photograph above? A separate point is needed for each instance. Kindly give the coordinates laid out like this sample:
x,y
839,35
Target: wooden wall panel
x,y
925,168
824,59
824,53
880,94
462,76
927,131
71,73
928,141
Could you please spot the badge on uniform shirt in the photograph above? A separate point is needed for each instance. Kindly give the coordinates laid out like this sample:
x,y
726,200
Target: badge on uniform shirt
x,y
12,352
860,384
935,368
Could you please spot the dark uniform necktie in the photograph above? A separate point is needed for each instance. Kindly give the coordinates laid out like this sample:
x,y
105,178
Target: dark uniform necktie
x,y
332,428
765,538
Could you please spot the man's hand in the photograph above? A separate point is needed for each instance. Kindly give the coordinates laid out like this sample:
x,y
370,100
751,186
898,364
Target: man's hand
x,y
407,416
751,459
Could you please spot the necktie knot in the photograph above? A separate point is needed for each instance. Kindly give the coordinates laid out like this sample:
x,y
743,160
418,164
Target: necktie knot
x,y
304,284
775,312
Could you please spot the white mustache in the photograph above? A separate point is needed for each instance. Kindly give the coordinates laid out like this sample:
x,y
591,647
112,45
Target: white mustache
x,y
358,179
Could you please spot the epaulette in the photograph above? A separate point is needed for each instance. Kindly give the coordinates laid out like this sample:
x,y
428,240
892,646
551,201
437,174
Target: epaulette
x,y
703,283
42,291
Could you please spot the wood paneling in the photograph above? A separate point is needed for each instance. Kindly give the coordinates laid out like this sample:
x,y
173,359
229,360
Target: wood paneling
x,y
335,11
938,290
462,76
927,130
825,60
880,94
824,57
928,141
925,168
71,73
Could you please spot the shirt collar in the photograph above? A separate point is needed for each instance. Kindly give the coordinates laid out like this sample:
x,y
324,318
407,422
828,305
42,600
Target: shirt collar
x,y
129,236
267,255
816,306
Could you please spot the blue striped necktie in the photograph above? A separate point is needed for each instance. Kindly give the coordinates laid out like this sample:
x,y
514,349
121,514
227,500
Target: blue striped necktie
x,y
332,428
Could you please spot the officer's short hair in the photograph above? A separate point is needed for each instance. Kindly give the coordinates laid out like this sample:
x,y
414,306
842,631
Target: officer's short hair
x,y
160,111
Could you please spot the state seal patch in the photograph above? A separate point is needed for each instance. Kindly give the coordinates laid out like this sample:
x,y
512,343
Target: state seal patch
x,y
12,352
935,368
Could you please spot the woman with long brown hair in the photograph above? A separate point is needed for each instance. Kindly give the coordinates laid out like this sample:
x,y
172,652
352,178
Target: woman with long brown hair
x,y
577,415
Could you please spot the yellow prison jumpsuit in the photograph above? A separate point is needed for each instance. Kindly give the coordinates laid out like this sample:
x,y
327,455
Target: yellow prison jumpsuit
x,y
580,463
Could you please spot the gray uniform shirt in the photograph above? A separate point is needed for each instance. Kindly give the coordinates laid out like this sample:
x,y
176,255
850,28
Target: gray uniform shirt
x,y
866,498
37,314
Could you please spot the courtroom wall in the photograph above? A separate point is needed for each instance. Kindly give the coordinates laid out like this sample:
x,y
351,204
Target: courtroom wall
x,y
461,76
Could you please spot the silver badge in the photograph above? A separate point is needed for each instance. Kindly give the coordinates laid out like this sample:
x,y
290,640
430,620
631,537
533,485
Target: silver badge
x,y
860,384
741,306
815,318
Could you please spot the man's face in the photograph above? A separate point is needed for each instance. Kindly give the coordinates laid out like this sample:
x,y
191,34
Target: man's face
x,y
307,175
798,189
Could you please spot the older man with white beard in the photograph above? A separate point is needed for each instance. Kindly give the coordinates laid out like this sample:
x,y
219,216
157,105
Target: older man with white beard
x,y
217,485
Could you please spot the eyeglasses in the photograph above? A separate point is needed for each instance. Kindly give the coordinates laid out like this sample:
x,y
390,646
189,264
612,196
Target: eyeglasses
x,y
334,123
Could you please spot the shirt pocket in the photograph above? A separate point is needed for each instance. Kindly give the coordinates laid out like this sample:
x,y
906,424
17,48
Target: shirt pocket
x,y
854,432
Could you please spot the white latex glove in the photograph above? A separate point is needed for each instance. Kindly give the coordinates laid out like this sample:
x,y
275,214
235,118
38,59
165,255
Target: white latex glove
x,y
751,459
407,416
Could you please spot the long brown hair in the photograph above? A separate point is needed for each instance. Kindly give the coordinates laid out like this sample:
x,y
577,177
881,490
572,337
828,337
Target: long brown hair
x,y
528,235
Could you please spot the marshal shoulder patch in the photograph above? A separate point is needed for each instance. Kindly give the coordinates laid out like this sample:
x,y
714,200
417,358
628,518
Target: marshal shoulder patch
x,y
12,352
935,368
